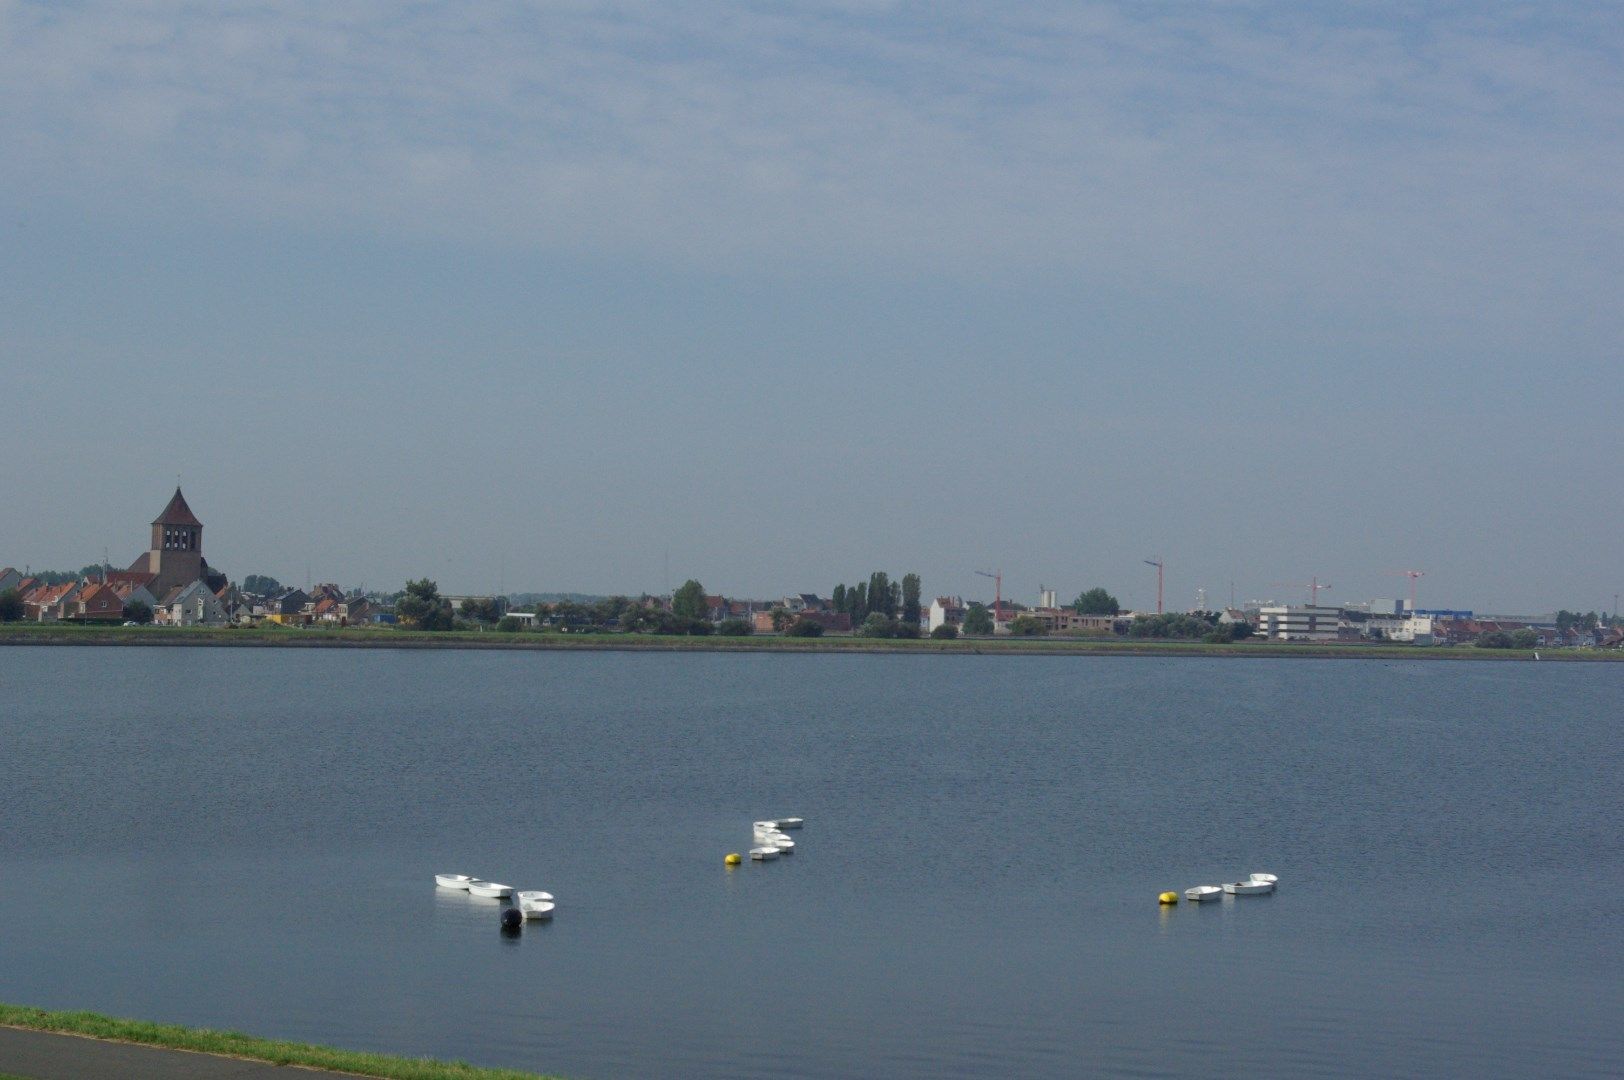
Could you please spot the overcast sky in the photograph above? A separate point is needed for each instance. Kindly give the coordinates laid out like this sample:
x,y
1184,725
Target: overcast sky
x,y
545,294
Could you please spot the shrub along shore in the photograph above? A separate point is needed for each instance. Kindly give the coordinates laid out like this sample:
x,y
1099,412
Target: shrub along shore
x,y
237,1045
22,633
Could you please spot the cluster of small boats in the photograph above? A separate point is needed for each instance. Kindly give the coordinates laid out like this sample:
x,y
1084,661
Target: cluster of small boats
x,y
1256,885
771,840
532,904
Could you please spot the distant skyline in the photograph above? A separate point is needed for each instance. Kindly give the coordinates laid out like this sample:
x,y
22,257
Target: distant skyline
x,y
539,293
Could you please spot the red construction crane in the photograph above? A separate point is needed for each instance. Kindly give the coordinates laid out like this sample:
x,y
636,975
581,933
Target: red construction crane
x,y
998,593
1313,586
1157,563
1412,575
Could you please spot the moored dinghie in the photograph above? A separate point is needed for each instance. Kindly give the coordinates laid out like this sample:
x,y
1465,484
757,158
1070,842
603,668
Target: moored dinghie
x,y
1203,892
536,905
764,854
489,889
452,881
1248,888
790,823
1270,878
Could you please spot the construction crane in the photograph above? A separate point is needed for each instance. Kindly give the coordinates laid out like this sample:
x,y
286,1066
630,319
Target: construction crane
x,y
998,593
1157,563
1412,575
1313,585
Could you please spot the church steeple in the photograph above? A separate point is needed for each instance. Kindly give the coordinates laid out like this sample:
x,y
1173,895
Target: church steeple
x,y
175,557
177,528
177,512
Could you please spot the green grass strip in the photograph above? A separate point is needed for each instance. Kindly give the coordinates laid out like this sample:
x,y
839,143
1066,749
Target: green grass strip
x,y
236,1044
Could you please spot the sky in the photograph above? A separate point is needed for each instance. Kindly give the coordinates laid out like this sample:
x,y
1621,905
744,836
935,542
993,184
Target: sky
x,y
599,297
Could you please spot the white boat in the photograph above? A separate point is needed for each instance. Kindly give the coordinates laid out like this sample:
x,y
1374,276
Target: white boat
x,y
1203,892
790,823
1270,878
785,846
1248,888
536,905
771,837
452,881
764,826
489,889
763,854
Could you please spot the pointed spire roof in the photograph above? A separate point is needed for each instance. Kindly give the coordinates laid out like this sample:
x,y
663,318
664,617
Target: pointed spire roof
x,y
177,513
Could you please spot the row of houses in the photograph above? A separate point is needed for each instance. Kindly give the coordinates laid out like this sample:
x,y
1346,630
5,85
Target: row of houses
x,y
111,597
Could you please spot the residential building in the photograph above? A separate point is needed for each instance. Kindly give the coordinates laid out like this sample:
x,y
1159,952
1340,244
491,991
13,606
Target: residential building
x,y
831,621
1285,622
287,607
9,579
1059,620
47,603
191,605
129,593
1416,629
946,611
97,602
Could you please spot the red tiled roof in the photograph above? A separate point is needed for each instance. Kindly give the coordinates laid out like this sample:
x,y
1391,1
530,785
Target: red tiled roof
x,y
177,512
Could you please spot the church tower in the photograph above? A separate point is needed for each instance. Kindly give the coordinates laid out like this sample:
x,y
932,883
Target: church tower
x,y
176,555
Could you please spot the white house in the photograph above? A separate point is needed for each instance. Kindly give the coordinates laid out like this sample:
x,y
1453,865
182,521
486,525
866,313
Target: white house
x,y
946,611
191,605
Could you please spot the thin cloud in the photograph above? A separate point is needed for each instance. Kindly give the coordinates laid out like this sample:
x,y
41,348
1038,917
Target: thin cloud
x,y
1167,139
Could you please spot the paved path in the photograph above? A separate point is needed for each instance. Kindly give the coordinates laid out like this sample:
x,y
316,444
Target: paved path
x,y
44,1055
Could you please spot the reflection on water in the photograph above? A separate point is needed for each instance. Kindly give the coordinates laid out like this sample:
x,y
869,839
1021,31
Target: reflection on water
x,y
974,892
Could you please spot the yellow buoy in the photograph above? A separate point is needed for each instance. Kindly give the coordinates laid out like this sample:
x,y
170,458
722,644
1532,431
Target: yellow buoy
x,y
1169,898
733,859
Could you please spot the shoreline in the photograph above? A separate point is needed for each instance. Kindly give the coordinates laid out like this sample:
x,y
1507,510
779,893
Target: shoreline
x,y
233,1046
35,634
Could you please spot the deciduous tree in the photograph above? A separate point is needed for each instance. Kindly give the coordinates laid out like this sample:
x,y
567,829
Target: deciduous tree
x,y
978,620
688,602
422,607
1097,601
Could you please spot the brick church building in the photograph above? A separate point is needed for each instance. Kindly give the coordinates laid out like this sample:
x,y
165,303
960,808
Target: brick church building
x,y
176,555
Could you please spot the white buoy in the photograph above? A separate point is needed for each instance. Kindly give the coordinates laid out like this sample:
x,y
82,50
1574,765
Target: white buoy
x,y
452,881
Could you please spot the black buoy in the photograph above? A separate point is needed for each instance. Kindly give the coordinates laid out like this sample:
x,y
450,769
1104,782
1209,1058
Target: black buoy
x,y
512,918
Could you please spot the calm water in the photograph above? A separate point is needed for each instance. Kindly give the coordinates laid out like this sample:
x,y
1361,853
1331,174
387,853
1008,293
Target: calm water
x,y
247,838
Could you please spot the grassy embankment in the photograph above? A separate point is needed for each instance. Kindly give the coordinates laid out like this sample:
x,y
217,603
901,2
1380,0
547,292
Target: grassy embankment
x,y
24,633
234,1044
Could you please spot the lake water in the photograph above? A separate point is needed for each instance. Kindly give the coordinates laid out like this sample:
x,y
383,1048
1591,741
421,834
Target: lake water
x,y
247,839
